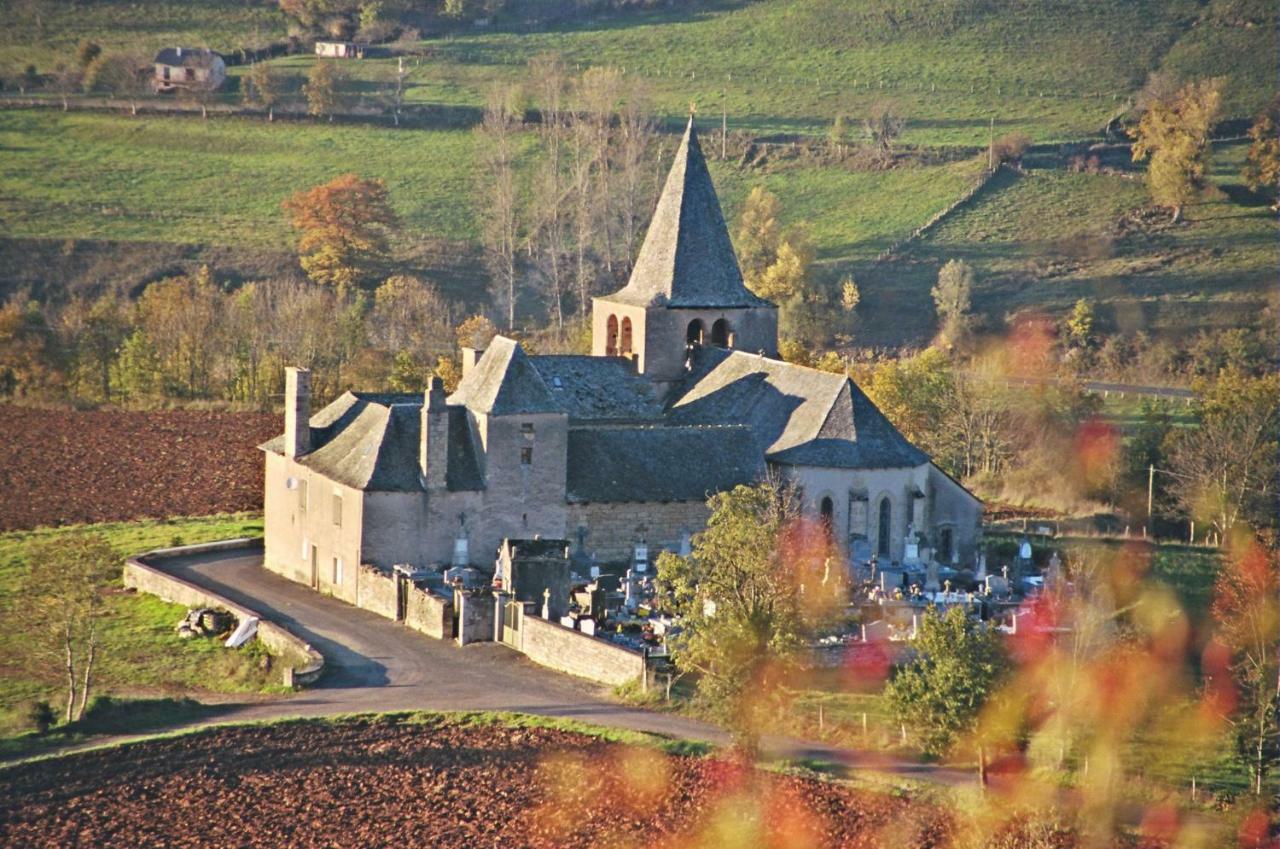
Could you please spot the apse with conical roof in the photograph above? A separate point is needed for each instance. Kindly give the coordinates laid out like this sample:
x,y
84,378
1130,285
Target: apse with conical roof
x,y
686,288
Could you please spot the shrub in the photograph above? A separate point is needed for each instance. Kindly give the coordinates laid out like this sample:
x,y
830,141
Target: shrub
x,y
39,714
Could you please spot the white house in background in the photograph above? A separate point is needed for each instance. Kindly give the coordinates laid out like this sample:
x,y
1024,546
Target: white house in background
x,y
179,68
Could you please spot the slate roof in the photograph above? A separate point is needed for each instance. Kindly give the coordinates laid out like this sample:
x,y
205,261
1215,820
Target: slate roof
x,y
595,388
504,382
186,57
370,441
660,463
800,415
687,259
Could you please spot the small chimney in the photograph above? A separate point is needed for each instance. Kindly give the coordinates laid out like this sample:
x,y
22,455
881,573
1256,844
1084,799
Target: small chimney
x,y
433,452
470,356
297,411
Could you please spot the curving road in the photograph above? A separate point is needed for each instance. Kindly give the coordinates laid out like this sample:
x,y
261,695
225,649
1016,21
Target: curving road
x,y
374,664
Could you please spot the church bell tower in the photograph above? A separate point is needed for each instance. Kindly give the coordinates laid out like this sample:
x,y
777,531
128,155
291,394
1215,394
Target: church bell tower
x,y
686,289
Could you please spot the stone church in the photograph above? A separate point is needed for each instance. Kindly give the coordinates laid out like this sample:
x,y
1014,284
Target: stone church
x,y
682,396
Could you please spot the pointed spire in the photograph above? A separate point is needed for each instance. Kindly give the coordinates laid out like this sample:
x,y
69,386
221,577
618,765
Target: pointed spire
x,y
687,259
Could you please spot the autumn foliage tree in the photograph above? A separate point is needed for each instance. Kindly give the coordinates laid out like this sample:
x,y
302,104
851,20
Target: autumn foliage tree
x,y
1246,612
1262,167
345,224
748,595
1174,135
323,90
959,663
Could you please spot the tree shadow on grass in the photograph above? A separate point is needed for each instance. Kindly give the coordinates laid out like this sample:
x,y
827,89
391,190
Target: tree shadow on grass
x,y
109,715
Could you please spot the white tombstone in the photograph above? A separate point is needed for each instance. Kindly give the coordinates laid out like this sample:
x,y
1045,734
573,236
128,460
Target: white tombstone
x,y
642,557
461,554
587,626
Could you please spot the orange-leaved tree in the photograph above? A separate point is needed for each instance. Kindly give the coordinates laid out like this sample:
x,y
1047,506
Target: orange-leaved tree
x,y
345,224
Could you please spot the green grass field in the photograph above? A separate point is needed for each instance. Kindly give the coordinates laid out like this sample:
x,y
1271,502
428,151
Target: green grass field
x,y
221,181
139,652
144,26
1053,70
1040,241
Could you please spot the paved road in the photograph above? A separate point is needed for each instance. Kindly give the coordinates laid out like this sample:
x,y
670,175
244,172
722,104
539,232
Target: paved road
x,y
374,664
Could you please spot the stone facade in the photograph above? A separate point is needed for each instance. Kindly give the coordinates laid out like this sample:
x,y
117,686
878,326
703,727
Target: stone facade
x,y
609,533
682,398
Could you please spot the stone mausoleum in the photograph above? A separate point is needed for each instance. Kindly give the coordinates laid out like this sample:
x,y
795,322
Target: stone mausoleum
x,y
683,396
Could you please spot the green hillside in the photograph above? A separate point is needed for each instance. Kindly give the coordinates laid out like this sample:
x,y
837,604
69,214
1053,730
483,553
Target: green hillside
x,y
1042,240
1053,69
1056,70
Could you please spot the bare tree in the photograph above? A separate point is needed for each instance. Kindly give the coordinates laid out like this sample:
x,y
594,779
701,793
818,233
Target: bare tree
x,y
501,227
62,601
636,131
548,236
883,124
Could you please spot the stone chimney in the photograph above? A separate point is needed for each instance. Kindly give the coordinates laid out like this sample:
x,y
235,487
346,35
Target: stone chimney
x,y
297,411
470,356
433,452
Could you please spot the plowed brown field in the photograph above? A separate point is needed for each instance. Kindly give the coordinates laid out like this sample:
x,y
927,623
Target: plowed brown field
x,y
387,783
61,467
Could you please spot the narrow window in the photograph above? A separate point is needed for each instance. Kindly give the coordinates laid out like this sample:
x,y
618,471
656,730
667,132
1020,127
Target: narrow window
x,y
526,427
886,527
721,335
302,495
337,570
693,333
611,337
828,509
337,509
526,456
626,337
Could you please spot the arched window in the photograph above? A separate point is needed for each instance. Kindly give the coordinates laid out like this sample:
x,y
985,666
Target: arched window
x,y
886,527
721,335
944,546
827,509
625,346
611,337
693,336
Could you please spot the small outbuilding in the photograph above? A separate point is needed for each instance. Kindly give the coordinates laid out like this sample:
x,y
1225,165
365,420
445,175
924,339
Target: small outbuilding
x,y
340,49
188,68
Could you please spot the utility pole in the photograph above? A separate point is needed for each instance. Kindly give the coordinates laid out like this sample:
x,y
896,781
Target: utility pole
x,y
1151,488
724,127
991,146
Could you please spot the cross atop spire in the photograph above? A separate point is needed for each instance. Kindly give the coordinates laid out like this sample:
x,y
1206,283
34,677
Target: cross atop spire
x,y
687,259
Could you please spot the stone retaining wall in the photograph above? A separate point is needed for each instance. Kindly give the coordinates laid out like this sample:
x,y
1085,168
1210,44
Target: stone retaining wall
x,y
375,591
429,614
552,645
143,572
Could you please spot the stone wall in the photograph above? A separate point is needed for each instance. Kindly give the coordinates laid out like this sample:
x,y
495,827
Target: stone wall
x,y
612,530
475,617
376,591
145,573
565,650
429,614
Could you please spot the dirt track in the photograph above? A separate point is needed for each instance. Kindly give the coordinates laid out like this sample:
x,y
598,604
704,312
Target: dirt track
x,y
61,467
389,783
